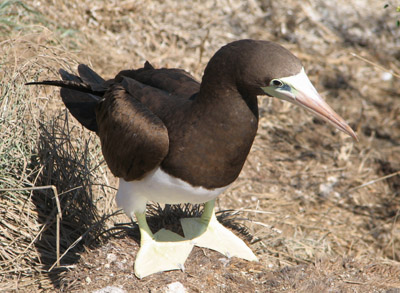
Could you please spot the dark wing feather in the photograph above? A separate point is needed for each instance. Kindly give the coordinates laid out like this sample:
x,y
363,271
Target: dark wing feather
x,y
175,82
134,137
80,97
81,104
91,78
127,112
134,141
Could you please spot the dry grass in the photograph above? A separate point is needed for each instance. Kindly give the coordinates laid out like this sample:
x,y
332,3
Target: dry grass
x,y
324,209
47,180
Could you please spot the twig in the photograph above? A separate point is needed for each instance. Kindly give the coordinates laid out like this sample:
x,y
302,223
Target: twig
x,y
66,251
58,223
72,246
256,211
354,282
374,181
59,213
375,65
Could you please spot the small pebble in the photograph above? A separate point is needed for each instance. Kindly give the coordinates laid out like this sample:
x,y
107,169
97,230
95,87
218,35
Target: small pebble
x,y
175,287
224,261
111,257
110,289
386,76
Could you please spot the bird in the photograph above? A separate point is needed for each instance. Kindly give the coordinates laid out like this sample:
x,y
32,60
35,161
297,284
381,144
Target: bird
x,y
171,139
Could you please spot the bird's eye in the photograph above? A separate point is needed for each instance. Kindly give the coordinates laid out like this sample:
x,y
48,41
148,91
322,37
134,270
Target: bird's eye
x,y
276,83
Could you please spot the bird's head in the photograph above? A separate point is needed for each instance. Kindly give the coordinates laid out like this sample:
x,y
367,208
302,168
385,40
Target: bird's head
x,y
269,69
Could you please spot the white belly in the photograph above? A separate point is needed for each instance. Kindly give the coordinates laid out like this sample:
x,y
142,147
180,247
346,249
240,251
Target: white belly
x,y
160,187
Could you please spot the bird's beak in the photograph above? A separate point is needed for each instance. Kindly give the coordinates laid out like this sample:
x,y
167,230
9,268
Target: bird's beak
x,y
299,90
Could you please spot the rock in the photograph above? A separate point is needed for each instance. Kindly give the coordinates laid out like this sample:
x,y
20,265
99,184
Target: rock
x,y
175,287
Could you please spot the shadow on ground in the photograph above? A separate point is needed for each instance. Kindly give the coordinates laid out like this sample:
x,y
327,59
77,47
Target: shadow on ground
x,y
67,168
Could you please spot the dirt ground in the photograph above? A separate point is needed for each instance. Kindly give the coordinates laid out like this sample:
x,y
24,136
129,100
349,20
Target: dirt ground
x,y
320,210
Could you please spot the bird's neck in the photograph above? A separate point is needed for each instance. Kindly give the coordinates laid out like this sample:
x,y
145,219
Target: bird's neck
x,y
219,132
222,93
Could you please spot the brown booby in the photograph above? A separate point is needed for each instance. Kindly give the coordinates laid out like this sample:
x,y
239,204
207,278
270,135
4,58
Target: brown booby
x,y
171,139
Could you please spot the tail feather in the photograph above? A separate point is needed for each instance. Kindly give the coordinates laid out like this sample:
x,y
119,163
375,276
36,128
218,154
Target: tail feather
x,y
90,77
69,84
65,75
82,106
80,94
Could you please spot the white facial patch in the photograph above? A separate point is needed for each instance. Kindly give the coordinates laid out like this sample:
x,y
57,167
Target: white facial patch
x,y
292,85
301,81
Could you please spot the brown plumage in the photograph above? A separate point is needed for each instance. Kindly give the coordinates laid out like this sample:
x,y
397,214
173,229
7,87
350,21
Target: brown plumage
x,y
134,141
200,133
150,117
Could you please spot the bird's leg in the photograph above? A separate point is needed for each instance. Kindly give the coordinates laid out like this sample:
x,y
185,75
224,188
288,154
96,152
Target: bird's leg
x,y
209,233
162,251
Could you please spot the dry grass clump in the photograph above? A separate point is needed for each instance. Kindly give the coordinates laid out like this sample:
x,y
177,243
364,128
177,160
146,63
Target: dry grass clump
x,y
50,174
307,193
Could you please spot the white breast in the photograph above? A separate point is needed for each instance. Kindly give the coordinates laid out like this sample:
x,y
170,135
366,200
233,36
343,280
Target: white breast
x,y
160,187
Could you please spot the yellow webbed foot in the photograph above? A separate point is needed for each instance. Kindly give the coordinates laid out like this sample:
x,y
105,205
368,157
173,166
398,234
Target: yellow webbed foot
x,y
165,252
207,232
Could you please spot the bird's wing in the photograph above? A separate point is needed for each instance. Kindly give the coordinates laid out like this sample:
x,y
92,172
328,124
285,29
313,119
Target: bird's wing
x,y
88,76
127,112
134,141
79,102
175,82
130,117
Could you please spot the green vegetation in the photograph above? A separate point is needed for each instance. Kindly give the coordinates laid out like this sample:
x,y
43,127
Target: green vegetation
x,y
397,10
